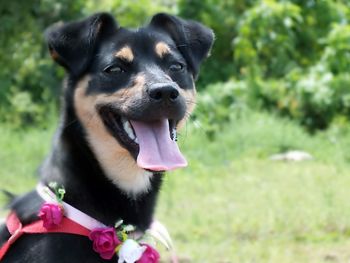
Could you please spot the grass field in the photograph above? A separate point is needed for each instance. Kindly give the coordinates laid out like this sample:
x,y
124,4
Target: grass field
x,y
233,204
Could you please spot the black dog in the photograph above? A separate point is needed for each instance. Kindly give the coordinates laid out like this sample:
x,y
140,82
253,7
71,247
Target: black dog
x,y
126,94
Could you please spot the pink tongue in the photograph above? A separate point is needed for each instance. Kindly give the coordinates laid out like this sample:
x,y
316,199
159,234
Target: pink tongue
x,y
157,151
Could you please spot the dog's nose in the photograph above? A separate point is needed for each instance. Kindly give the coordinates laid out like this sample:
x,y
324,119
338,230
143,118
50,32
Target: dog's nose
x,y
163,93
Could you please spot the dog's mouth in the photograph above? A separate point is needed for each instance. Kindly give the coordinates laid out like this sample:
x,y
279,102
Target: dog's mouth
x,y
152,143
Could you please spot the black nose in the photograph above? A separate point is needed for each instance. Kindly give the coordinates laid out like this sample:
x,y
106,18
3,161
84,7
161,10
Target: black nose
x,y
163,93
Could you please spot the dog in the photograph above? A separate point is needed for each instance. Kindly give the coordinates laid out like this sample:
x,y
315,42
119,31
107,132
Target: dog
x,y
127,93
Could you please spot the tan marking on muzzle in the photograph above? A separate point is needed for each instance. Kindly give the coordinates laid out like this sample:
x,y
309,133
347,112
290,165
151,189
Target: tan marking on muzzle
x,y
190,99
125,98
117,163
125,53
162,49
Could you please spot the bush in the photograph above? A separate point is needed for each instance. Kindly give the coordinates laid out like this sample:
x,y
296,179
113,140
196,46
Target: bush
x,y
267,38
28,80
292,57
218,104
316,99
337,52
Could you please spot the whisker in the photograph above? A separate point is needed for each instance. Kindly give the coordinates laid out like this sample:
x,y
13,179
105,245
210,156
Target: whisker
x,y
182,45
191,101
69,124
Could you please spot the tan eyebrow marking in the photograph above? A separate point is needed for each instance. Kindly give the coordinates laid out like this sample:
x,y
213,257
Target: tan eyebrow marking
x,y
162,49
125,53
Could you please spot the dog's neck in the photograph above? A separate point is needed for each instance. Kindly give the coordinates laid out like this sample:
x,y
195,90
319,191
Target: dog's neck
x,y
73,165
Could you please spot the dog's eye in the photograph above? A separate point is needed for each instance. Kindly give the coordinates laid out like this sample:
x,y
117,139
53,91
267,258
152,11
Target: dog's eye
x,y
114,69
176,67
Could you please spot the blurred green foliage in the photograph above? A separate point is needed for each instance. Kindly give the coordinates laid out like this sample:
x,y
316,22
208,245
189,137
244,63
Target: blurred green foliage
x,y
288,56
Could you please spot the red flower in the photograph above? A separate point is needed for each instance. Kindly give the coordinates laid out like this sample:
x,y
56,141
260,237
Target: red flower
x,y
105,241
149,256
51,214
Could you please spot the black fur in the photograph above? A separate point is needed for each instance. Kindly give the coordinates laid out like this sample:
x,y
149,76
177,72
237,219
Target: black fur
x,y
86,47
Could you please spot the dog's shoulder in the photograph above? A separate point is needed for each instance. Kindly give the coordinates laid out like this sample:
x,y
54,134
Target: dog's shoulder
x,y
26,207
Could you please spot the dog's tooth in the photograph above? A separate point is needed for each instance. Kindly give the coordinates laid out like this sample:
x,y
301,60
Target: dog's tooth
x,y
174,134
124,120
128,130
126,125
136,140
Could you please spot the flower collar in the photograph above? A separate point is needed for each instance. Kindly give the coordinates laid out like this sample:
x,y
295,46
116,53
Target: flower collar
x,y
131,246
69,211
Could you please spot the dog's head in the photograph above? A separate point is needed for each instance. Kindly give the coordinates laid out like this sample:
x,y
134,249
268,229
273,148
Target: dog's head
x,y
133,89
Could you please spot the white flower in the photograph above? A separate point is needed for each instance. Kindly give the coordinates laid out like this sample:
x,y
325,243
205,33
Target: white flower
x,y
130,251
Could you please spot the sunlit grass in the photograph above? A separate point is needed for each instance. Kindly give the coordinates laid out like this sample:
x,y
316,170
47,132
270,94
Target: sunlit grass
x,y
21,152
233,204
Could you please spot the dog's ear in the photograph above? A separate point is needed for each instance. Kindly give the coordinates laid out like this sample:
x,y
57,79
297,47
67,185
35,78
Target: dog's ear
x,y
72,44
193,39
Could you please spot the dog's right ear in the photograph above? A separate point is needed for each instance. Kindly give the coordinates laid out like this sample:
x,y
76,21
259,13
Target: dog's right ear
x,y
193,39
72,44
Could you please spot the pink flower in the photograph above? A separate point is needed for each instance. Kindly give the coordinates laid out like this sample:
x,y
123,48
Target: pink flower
x,y
150,255
51,214
104,241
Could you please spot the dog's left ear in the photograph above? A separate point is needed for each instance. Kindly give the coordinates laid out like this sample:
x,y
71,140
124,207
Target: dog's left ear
x,y
193,39
72,45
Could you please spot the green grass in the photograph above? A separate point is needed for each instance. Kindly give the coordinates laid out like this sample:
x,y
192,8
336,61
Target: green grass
x,y
232,204
20,156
